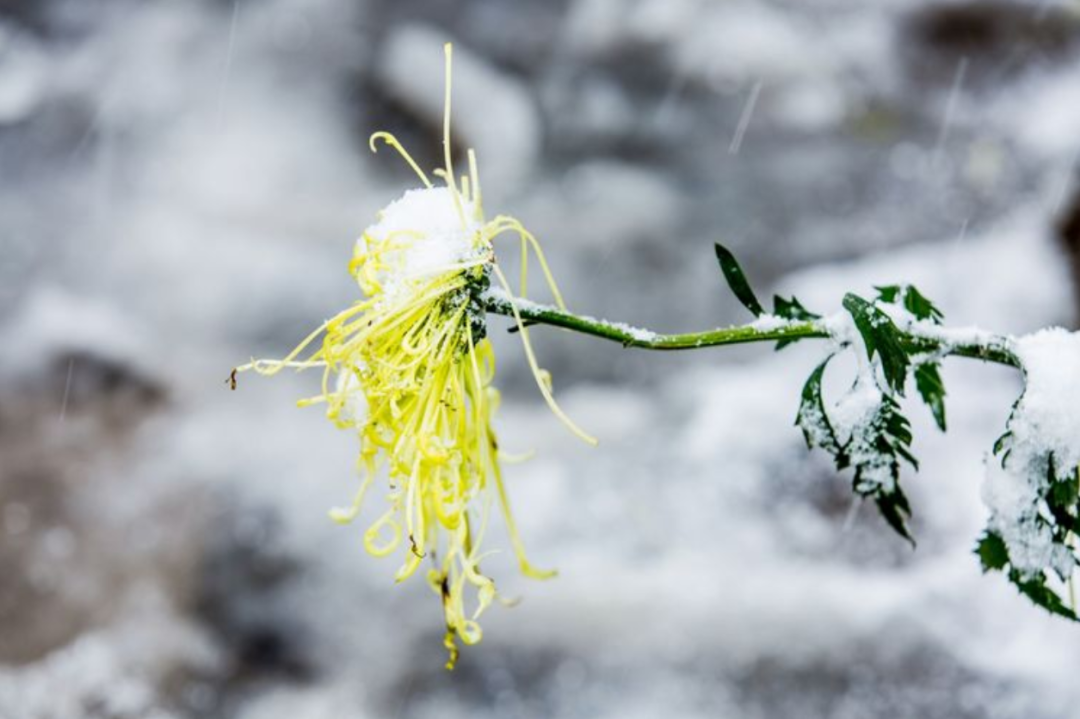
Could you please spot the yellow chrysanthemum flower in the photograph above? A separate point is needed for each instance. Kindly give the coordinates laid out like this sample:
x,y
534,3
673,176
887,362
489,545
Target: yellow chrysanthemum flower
x,y
410,369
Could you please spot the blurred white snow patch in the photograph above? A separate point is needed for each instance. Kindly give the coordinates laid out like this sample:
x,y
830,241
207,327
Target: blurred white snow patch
x,y
592,27
263,158
55,323
315,460
266,150
119,670
735,42
738,413
23,75
185,264
719,43
609,413
726,45
1013,277
601,110
320,701
228,145
701,595
1043,114
811,106
492,112
605,205
1008,644
123,68
597,27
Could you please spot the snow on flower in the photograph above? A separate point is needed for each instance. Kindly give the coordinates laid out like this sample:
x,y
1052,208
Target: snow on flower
x,y
410,370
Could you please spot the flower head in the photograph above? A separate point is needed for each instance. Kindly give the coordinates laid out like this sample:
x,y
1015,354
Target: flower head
x,y
410,370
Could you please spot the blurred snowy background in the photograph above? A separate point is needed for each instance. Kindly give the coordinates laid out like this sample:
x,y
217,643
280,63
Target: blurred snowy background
x,y
181,185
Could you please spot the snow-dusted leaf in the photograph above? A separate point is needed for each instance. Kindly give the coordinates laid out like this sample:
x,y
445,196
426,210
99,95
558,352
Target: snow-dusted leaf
x,y
882,338
1061,500
909,297
922,308
791,310
875,449
814,420
1064,493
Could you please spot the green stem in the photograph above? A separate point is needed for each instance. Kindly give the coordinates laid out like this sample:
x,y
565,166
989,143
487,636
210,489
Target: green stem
x,y
995,349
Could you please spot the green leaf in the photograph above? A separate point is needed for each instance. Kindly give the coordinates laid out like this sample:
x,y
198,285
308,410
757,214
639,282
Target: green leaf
x,y
1036,590
1002,443
932,390
897,427
875,449
814,421
889,293
895,509
736,280
1055,510
1064,493
918,305
908,456
993,554
1061,500
912,300
792,309
879,446
882,337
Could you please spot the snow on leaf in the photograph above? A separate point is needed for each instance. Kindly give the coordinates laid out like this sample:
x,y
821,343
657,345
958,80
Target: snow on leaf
x,y
792,310
876,448
1033,492
814,421
882,338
